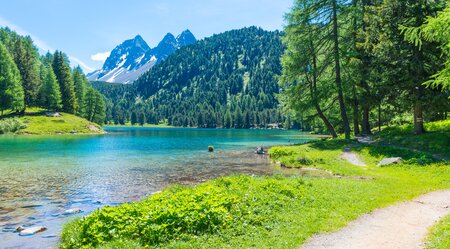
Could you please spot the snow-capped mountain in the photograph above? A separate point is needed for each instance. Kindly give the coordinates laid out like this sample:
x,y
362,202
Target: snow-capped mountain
x,y
134,57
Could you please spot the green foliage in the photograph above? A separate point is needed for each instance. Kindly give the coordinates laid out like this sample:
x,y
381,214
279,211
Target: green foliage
x,y
64,77
49,94
11,125
434,29
94,106
382,74
80,85
11,90
27,60
439,236
280,151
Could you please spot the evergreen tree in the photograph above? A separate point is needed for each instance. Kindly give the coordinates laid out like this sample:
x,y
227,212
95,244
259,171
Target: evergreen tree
x,y
133,118
99,112
64,77
142,118
80,84
26,59
49,94
11,90
89,104
406,66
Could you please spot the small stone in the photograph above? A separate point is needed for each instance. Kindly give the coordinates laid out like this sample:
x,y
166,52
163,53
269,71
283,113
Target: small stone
x,y
390,160
72,211
32,230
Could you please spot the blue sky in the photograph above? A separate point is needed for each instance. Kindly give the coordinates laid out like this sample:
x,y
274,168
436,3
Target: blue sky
x,y
84,28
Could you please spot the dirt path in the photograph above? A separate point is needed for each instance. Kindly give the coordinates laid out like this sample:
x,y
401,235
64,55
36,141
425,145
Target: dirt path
x,y
400,226
352,158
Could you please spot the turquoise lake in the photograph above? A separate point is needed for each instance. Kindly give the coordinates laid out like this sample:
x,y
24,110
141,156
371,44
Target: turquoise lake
x,y
42,176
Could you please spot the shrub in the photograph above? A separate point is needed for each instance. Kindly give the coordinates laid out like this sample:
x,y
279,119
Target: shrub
x,y
280,151
303,160
11,125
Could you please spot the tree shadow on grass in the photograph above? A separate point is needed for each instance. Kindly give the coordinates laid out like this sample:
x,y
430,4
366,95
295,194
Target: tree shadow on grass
x,y
408,156
334,144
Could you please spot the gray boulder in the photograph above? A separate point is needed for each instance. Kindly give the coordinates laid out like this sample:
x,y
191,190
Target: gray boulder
x,y
389,161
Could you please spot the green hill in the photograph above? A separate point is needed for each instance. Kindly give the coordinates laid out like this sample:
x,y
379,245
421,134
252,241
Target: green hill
x,y
37,122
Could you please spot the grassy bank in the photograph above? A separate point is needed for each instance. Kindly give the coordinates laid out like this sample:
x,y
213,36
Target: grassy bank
x,y
439,237
265,212
36,122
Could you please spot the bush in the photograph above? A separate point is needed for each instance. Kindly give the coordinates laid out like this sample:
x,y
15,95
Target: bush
x,y
280,151
303,160
11,125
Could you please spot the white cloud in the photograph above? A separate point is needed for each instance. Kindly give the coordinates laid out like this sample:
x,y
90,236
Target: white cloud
x,y
42,45
100,56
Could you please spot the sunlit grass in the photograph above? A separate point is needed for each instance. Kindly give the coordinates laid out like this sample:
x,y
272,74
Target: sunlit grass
x,y
439,236
37,122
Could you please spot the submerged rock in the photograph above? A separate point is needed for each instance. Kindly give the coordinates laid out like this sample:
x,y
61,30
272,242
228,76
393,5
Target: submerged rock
x,y
30,231
72,211
390,160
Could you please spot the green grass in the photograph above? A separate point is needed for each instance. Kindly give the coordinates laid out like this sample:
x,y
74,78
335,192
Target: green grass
x,y
436,140
439,236
264,212
37,123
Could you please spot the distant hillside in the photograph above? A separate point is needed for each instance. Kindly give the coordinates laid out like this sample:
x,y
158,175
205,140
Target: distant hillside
x,y
227,80
134,57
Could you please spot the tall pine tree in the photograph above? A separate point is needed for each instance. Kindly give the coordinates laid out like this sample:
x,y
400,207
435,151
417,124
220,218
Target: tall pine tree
x,y
64,77
49,94
11,90
26,59
80,84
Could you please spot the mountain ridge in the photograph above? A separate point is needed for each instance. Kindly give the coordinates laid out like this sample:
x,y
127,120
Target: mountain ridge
x,y
133,57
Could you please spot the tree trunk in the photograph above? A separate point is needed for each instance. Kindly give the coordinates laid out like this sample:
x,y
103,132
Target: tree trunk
x,y
379,117
337,59
366,120
327,122
355,112
355,97
313,90
418,118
